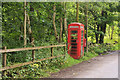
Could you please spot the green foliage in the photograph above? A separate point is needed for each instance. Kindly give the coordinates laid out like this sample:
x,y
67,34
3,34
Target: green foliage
x,y
45,68
102,48
41,24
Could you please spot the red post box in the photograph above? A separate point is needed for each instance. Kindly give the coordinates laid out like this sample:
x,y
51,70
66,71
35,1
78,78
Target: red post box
x,y
76,40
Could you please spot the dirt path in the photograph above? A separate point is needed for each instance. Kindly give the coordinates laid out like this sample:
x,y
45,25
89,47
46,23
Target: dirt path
x,y
105,66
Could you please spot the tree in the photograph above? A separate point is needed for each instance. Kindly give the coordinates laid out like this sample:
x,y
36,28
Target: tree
x,y
56,36
25,18
112,32
86,24
65,20
103,26
77,12
29,18
103,14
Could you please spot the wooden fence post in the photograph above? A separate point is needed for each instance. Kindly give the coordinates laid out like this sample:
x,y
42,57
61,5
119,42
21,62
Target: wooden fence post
x,y
33,51
51,52
4,62
64,50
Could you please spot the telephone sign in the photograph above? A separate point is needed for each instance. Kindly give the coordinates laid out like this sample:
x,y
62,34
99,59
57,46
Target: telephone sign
x,y
73,26
76,40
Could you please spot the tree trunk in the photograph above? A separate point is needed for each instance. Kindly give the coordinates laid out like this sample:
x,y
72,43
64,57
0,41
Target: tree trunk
x,y
61,28
25,17
54,26
29,25
29,29
86,24
77,12
97,35
109,32
101,35
82,11
65,21
112,32
95,30
103,28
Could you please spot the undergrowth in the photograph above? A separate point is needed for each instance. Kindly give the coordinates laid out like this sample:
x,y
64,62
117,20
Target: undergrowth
x,y
45,68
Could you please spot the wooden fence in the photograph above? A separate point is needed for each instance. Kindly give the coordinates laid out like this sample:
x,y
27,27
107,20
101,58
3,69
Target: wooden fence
x,y
5,51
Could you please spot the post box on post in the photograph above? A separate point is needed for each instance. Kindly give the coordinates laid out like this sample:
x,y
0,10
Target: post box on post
x,y
76,40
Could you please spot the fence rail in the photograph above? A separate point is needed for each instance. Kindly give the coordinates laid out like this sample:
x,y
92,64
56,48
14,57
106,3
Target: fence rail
x,y
5,51
29,48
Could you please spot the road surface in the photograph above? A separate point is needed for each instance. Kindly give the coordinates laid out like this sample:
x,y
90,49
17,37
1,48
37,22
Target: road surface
x,y
104,66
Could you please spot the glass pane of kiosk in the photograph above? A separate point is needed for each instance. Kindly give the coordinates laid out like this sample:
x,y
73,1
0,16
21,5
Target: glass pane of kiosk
x,y
73,42
81,42
81,38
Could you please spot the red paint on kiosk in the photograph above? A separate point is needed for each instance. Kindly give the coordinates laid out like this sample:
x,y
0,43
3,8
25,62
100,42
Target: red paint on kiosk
x,y
76,40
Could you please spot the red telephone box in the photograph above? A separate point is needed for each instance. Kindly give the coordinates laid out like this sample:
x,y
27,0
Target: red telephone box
x,y
76,40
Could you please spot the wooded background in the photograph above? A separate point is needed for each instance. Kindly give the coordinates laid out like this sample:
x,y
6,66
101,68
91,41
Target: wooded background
x,y
32,24
47,22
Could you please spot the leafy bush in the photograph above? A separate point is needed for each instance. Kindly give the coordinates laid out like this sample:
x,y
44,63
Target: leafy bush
x,y
101,48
